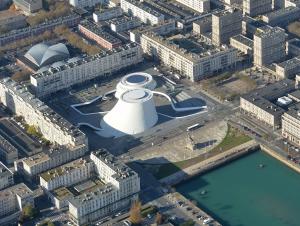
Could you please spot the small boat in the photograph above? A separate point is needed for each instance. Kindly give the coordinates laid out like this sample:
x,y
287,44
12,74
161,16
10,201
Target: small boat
x,y
261,165
203,192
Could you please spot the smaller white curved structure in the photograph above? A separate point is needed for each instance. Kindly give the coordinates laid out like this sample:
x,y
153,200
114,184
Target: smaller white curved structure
x,y
134,113
42,54
135,81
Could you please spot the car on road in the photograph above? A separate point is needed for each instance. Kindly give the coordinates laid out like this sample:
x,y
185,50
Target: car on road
x,y
189,208
207,221
173,220
127,222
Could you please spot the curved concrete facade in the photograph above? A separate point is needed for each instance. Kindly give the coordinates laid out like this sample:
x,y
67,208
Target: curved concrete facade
x,y
134,81
134,113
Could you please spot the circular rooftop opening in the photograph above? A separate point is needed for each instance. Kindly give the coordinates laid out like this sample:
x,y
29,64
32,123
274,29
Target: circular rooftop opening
x,y
136,95
136,79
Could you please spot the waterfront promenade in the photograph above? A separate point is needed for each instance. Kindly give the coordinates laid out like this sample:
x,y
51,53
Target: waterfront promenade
x,y
210,163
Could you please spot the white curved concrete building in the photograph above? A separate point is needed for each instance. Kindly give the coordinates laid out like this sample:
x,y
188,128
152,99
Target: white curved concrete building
x,y
134,81
134,113
42,55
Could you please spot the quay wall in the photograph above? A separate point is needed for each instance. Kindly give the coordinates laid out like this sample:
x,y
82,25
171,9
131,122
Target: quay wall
x,y
281,158
211,163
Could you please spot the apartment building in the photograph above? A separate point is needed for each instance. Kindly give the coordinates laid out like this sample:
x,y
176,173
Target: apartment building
x,y
291,125
242,43
278,4
8,153
232,2
107,14
202,25
193,66
6,177
12,201
288,68
10,20
120,186
79,70
282,17
5,4
200,6
226,24
164,28
124,23
55,156
262,103
294,3
269,45
143,11
54,127
293,47
70,21
250,25
99,35
256,7
66,175
28,6
86,3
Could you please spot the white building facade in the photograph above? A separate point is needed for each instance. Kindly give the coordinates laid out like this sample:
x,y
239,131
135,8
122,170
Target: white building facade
x,y
81,70
194,67
199,5
144,13
121,187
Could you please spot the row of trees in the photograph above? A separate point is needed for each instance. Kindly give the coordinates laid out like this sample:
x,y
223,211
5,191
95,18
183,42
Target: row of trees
x,y
28,213
47,35
20,76
76,40
136,216
55,10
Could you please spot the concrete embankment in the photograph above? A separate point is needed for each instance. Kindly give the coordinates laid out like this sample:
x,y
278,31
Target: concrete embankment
x,y
280,157
211,163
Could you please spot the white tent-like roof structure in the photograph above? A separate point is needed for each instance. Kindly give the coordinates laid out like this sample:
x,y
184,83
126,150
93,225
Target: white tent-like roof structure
x,y
42,55
134,113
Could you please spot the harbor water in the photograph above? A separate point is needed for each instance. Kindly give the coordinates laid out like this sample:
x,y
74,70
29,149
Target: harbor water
x,y
254,190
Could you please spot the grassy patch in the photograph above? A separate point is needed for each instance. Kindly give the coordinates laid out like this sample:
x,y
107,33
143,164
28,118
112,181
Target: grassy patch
x,y
232,139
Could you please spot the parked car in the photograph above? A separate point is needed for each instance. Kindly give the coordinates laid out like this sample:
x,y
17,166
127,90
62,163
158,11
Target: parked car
x,y
127,222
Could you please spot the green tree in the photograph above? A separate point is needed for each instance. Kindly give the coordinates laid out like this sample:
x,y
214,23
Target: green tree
x,y
28,212
50,223
159,218
188,223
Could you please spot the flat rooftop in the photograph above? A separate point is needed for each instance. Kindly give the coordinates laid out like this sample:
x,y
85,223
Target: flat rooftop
x,y
269,32
10,15
205,49
266,97
290,63
6,146
244,40
64,169
295,42
62,193
295,95
4,171
19,189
